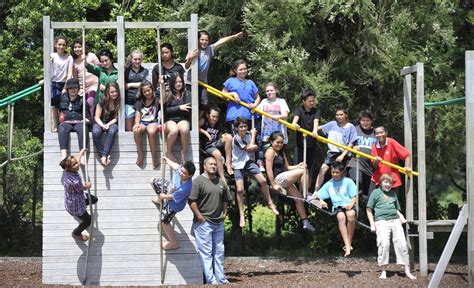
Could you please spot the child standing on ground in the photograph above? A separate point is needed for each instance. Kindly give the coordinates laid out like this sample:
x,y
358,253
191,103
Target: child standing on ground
x,y
388,221
175,196
307,117
146,120
213,141
60,72
75,200
276,107
342,192
243,150
339,131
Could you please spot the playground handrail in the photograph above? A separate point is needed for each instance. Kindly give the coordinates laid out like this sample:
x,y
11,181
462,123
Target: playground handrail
x,y
321,139
19,95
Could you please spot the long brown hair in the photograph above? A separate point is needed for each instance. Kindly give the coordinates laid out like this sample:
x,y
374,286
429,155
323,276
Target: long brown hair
x,y
172,92
105,109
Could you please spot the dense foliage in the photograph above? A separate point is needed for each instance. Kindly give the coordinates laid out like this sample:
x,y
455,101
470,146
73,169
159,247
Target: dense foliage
x,y
347,51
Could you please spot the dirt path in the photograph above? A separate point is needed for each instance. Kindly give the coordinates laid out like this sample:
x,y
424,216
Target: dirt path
x,y
327,272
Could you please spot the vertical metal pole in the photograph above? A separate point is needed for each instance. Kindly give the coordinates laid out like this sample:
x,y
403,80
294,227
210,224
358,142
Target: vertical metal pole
x,y
420,131
470,161
305,174
163,148
47,72
357,182
408,121
194,75
11,118
121,69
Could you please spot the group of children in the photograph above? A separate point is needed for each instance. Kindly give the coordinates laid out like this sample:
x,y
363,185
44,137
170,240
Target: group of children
x,y
243,148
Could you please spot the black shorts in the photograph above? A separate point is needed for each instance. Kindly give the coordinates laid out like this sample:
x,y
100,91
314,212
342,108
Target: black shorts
x,y
331,158
342,209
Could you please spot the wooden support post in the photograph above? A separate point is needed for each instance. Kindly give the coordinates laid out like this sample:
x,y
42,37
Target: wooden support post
x,y
121,68
449,248
470,161
420,131
47,72
193,43
408,143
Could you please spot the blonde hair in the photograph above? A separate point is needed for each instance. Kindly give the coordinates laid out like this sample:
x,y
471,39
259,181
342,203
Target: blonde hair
x,y
386,177
128,63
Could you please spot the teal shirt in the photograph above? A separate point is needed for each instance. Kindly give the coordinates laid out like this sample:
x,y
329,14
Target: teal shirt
x,y
104,78
385,205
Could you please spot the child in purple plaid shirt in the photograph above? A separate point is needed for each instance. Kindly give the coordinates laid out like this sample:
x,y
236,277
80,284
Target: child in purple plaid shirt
x,y
75,200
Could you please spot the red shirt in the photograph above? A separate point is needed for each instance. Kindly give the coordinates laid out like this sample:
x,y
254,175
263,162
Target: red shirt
x,y
390,153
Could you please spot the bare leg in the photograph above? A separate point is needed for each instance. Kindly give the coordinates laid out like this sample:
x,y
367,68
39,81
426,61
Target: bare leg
x,y
220,165
341,220
172,130
227,140
138,141
183,127
172,244
322,172
351,224
129,122
240,200
152,130
266,192
63,153
55,113
292,191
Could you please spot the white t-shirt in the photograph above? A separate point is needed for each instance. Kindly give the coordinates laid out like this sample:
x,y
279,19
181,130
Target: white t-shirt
x,y
275,108
60,66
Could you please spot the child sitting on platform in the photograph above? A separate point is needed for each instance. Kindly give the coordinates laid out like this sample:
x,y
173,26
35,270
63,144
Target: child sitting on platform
x,y
75,200
388,220
342,192
213,141
243,151
175,195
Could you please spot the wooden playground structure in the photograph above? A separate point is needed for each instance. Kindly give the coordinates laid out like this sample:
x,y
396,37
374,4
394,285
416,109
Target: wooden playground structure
x,y
124,249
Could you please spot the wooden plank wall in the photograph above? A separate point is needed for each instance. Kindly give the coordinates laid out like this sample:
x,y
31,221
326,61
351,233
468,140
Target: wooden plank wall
x,y
125,247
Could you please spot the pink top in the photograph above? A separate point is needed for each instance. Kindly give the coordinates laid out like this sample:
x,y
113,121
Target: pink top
x,y
92,81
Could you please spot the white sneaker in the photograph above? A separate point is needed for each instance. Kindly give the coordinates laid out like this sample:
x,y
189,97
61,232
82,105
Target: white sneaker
x,y
307,226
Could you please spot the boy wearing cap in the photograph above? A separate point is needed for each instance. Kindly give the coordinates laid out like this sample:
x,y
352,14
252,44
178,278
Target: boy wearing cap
x,y
71,117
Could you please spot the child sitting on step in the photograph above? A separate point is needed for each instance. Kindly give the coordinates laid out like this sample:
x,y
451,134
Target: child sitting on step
x,y
75,200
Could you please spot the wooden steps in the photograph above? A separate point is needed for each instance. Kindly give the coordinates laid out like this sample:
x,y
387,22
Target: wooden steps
x,y
125,247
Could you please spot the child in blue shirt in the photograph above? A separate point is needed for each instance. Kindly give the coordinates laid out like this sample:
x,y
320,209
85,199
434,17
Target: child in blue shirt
x,y
175,195
342,192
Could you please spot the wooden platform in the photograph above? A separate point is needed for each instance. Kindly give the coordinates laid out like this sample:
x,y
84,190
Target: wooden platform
x,y
439,225
125,247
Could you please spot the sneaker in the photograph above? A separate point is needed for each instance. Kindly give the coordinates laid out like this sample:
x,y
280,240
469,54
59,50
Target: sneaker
x,y
307,226
309,197
260,165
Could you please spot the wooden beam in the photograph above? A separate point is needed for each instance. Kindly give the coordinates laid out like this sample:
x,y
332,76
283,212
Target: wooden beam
x,y
408,70
47,72
121,68
421,163
162,25
193,44
87,25
449,248
470,161
408,143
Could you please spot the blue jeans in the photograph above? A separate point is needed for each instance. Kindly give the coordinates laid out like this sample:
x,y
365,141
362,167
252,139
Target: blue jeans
x,y
210,247
104,149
